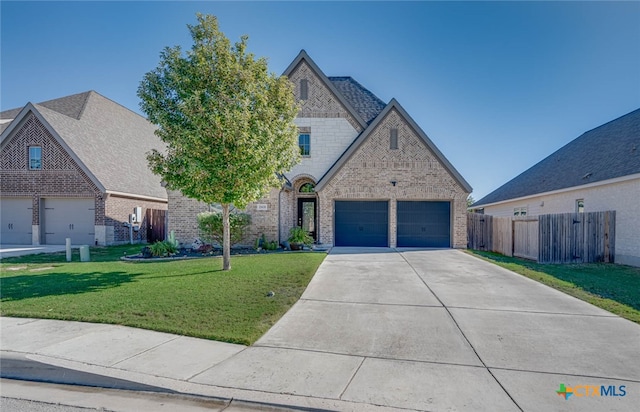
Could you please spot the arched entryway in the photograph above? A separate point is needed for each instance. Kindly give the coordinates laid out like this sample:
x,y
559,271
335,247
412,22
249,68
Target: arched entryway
x,y
306,205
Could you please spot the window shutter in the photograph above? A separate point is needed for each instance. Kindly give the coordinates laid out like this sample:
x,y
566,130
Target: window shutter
x,y
393,139
304,89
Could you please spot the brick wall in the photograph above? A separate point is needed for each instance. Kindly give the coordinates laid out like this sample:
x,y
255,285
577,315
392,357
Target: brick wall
x,y
320,102
117,211
417,171
61,176
183,217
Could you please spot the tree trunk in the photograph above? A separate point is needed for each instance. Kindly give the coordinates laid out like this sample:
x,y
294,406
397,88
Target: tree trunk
x,y
226,238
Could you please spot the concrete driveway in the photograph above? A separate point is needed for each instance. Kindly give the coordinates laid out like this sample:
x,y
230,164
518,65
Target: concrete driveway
x,y
439,330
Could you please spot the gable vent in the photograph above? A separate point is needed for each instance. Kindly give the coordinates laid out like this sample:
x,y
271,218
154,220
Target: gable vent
x,y
393,139
304,89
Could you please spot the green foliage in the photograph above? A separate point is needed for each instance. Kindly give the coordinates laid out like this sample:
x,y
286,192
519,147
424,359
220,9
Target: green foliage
x,y
163,248
299,235
210,225
263,243
226,121
172,239
187,297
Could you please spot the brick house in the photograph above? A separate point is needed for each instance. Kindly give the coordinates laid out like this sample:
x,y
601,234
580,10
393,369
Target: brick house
x,y
369,175
598,171
75,167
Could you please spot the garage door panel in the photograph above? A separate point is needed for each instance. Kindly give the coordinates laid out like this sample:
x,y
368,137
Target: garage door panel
x,y
362,223
15,220
69,218
424,224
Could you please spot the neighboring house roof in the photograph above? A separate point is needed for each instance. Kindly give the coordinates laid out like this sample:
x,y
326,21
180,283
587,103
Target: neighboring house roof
x,y
607,152
393,104
367,104
108,140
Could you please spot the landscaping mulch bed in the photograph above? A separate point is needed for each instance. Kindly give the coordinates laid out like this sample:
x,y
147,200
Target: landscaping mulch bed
x,y
189,253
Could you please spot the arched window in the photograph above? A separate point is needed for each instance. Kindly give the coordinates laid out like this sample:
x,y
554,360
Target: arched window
x,y
307,188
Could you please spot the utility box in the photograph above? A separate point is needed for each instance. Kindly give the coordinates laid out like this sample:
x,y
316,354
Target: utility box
x,y
137,211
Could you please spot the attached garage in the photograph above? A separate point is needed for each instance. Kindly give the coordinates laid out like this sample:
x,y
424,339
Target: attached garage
x,y
424,224
16,215
362,223
69,218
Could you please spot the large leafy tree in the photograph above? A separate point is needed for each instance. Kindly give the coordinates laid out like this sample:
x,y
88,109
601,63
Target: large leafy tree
x,y
227,122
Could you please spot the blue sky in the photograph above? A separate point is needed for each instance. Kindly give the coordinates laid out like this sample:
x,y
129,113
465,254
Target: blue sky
x,y
497,86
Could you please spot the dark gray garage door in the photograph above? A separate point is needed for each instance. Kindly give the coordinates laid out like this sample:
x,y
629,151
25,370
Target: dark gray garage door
x,y
362,223
424,224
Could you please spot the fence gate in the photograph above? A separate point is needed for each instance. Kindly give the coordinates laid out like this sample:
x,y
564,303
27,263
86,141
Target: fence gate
x,y
156,225
525,238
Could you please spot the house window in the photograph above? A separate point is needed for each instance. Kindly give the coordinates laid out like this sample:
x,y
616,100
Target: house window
x,y
393,139
35,158
580,206
520,211
304,89
307,188
304,141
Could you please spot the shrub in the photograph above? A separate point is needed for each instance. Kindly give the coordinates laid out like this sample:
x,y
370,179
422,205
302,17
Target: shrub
x,y
299,235
163,248
210,225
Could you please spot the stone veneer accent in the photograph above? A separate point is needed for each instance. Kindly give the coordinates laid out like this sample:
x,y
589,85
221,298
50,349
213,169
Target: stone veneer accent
x,y
61,177
329,140
367,175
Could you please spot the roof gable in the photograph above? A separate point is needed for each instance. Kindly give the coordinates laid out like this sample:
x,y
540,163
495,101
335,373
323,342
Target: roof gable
x,y
609,151
109,140
304,59
41,118
356,145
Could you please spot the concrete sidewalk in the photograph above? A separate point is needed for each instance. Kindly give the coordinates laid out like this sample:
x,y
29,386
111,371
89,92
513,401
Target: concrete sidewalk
x,y
377,329
22,250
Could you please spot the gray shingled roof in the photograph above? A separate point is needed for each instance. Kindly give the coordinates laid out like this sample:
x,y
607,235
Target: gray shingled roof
x,y
606,152
367,104
109,139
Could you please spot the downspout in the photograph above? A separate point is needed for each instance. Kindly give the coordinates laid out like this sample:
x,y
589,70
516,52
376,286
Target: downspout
x,y
279,212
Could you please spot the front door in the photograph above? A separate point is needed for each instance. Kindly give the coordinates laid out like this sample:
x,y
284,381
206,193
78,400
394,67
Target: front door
x,y
307,215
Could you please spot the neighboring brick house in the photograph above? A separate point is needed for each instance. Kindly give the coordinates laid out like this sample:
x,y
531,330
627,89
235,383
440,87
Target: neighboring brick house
x,y
75,167
369,175
598,171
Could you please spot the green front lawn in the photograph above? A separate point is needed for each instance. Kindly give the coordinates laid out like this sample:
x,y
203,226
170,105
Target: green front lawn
x,y
187,297
615,288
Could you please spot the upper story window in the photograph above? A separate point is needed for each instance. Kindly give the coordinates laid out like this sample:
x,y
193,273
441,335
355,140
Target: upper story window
x,y
304,141
304,89
307,188
580,206
35,158
520,211
393,139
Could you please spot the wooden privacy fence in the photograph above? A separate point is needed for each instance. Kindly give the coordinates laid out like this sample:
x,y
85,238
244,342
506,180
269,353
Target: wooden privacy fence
x,y
555,238
156,225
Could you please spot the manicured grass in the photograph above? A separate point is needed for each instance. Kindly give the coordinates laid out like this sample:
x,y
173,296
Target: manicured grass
x,y
188,297
615,288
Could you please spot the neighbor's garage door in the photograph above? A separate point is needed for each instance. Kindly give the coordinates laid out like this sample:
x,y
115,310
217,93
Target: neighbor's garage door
x,y
69,218
362,223
15,217
424,224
